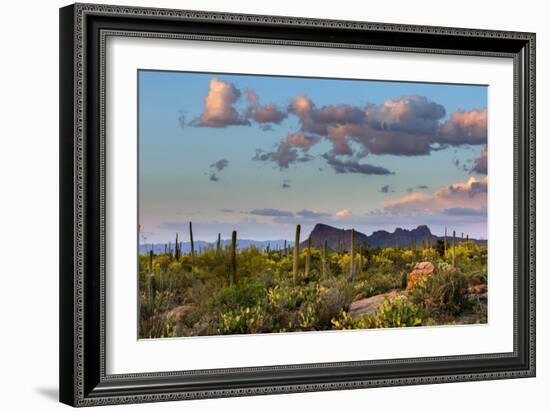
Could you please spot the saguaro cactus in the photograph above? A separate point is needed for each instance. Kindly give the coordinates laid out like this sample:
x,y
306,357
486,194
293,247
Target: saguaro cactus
x,y
453,245
150,261
191,238
361,262
308,258
325,256
177,252
219,245
151,291
233,271
342,242
295,260
352,254
286,249
445,242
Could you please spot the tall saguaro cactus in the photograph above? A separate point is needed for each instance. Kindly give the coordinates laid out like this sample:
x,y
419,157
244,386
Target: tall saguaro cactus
x,y
361,262
177,252
453,245
286,250
308,258
295,260
233,271
151,291
325,256
352,254
445,242
219,245
150,261
191,239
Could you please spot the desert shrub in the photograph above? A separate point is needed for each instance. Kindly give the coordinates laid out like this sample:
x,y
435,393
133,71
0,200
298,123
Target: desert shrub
x,y
346,322
246,294
382,262
364,288
290,297
442,294
399,312
161,262
153,323
251,263
383,282
430,254
318,314
307,317
245,321
408,256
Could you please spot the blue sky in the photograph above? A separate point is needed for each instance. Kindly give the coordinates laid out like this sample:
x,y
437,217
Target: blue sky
x,y
260,154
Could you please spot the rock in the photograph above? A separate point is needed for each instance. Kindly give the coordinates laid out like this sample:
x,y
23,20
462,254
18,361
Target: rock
x,y
369,306
421,270
179,312
358,297
477,289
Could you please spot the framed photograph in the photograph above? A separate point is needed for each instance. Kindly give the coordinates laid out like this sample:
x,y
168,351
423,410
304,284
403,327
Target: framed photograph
x,y
261,204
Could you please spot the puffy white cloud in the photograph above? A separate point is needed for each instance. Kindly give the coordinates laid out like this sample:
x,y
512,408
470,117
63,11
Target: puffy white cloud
x,y
411,114
218,105
464,127
266,113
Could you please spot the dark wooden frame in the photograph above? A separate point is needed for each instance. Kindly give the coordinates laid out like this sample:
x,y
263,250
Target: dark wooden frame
x,y
83,29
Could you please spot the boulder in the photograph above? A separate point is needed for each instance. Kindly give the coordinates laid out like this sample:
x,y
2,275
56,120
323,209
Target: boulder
x,y
420,271
358,297
477,289
178,313
369,306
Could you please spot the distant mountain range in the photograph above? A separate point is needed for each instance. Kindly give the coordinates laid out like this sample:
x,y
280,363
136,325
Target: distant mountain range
x,y
158,248
400,237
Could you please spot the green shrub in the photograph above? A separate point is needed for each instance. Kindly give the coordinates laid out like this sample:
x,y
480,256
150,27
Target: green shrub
x,y
399,312
249,320
345,322
383,282
247,294
442,294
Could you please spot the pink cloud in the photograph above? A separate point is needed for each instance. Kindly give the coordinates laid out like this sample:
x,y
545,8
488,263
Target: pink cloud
x,y
471,194
464,127
218,105
302,141
343,213
267,113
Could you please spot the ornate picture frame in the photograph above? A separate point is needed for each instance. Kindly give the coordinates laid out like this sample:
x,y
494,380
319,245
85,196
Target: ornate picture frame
x,y
84,30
